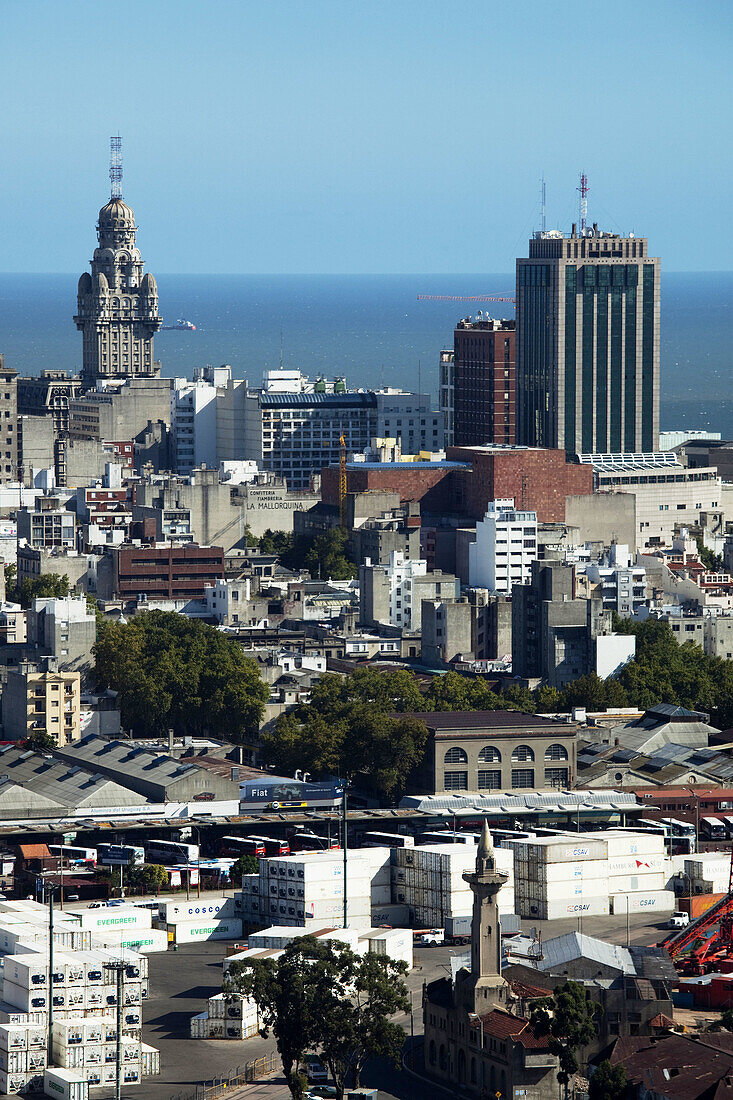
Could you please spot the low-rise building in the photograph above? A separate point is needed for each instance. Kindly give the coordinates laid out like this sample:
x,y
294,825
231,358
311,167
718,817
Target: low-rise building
x,y
65,628
49,525
668,495
622,584
494,750
164,570
394,593
505,547
557,637
39,700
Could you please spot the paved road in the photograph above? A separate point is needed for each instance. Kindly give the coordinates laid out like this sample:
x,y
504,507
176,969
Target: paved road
x,y
181,982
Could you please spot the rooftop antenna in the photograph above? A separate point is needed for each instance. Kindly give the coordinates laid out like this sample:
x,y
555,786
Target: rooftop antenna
x,y
583,190
115,167
543,205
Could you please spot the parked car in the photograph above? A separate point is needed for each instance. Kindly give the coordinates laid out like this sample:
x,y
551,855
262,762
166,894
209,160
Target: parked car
x,y
678,919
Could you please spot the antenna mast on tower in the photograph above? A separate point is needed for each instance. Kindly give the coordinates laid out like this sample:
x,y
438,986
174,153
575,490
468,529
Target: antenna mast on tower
x,y
543,206
583,202
115,166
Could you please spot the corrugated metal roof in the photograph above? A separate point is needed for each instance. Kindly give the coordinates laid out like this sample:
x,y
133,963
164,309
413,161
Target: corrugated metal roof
x,y
317,400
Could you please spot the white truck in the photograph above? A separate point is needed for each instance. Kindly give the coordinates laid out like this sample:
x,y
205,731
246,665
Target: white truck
x,y
678,919
433,937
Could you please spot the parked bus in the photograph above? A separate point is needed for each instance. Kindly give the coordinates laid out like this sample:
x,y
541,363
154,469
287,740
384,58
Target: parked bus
x,y
712,828
74,857
309,842
170,851
237,846
387,840
274,846
120,855
447,836
681,834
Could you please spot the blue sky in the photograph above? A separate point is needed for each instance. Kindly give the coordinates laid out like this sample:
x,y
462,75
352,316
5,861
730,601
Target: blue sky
x,y
372,136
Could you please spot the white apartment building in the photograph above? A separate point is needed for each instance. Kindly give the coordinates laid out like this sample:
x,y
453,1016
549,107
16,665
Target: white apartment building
x,y
668,495
505,547
623,584
194,415
294,426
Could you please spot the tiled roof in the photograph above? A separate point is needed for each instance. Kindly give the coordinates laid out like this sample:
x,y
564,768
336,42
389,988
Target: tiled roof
x,y
501,1025
486,719
34,851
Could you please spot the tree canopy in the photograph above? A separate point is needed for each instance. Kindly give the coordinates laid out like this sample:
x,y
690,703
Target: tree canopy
x,y
177,673
48,585
352,727
568,1020
325,556
608,1082
321,997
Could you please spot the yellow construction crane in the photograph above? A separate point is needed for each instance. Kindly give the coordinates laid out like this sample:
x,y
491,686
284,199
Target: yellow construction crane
x,y
342,482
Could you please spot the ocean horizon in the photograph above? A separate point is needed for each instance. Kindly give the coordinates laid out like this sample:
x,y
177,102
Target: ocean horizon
x,y
369,328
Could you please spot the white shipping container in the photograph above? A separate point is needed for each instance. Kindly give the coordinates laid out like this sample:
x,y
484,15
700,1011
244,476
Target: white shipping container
x,y
563,849
13,1037
657,901
65,1084
633,844
173,912
198,1028
147,941
585,907
27,1000
633,884
225,929
116,917
14,1082
396,915
36,1061
13,1061
149,1060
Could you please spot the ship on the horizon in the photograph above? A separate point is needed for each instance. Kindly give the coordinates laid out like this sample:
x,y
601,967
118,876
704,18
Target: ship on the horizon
x,y
181,325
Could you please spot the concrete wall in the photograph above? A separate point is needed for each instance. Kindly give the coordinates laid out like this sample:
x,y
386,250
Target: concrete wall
x,y
603,517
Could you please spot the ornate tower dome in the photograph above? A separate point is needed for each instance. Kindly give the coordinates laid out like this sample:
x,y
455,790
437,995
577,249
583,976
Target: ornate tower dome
x,y
117,306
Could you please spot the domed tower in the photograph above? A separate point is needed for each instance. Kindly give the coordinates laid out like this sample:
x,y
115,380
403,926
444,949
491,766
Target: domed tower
x,y
117,306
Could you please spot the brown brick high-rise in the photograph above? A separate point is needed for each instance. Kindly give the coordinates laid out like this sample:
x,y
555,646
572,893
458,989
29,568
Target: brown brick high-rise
x,y
484,382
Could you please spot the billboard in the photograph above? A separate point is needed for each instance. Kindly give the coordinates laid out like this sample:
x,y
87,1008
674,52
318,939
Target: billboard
x,y
277,793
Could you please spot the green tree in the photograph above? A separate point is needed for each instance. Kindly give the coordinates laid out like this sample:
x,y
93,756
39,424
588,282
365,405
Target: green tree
x,y
153,878
174,672
353,727
320,996
568,1021
48,585
40,741
11,580
726,1019
245,865
456,692
608,1082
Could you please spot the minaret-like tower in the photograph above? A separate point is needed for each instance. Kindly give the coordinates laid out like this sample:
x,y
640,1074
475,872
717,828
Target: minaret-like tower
x,y
485,988
117,305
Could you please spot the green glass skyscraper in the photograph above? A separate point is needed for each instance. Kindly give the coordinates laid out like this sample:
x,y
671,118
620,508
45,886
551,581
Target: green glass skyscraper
x,y
588,343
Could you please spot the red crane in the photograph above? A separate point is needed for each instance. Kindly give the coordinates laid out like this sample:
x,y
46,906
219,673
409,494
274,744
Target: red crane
x,y
708,938
463,298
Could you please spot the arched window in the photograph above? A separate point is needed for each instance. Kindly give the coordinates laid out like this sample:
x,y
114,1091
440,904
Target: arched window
x,y
521,754
473,1071
489,755
556,752
431,1052
455,756
461,1066
442,1059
